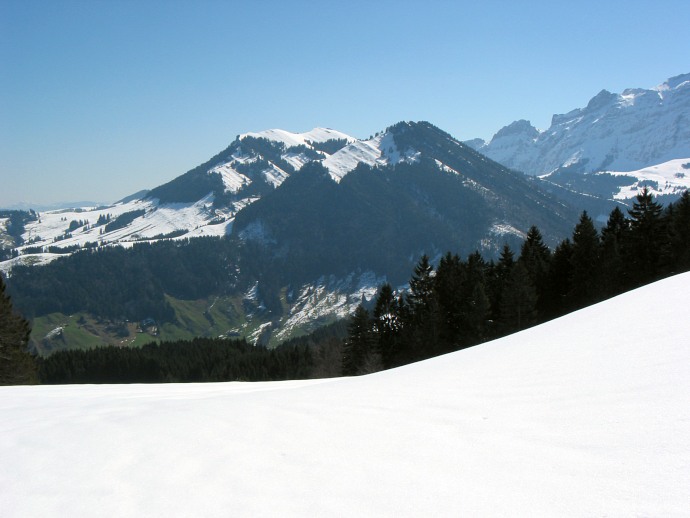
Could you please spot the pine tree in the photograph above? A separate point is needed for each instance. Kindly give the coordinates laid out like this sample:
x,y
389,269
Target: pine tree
x,y
535,256
584,281
614,237
387,324
475,302
17,366
559,281
421,287
448,286
478,312
421,315
360,343
647,235
518,301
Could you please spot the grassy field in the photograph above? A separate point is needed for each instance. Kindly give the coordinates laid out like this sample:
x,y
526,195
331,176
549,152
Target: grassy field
x,y
215,317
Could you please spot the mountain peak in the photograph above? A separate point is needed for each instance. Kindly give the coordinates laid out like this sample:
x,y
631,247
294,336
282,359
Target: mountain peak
x,y
600,100
519,127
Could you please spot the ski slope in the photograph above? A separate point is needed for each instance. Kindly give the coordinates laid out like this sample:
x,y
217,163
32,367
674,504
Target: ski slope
x,y
587,415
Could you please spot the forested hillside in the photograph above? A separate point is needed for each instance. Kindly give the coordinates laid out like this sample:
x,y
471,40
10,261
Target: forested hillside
x,y
453,305
465,302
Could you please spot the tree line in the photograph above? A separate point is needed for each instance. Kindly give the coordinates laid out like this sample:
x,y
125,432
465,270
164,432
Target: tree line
x,y
461,303
197,360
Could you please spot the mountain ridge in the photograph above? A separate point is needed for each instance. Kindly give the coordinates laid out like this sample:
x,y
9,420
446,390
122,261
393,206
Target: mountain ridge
x,y
205,200
613,134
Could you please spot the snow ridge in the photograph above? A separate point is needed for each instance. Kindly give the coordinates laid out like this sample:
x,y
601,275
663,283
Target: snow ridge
x,y
299,139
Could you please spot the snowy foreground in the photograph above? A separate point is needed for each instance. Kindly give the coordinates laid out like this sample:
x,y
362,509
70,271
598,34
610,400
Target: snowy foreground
x,y
585,416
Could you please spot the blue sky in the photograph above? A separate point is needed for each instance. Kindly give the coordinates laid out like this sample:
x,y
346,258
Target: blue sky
x,y
99,99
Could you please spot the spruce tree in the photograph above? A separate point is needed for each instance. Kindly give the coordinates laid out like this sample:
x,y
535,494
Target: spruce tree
x,y
387,324
476,305
614,237
496,279
558,300
360,343
518,302
421,287
535,256
421,315
449,285
17,366
647,235
584,282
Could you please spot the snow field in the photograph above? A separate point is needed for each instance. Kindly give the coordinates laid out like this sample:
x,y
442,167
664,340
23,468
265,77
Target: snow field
x,y
667,178
586,415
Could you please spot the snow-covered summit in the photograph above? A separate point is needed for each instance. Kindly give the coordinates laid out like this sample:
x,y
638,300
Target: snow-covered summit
x,y
623,132
290,139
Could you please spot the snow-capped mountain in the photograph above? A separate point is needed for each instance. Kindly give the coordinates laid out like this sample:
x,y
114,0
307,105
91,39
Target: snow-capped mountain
x,y
313,222
205,201
586,415
615,133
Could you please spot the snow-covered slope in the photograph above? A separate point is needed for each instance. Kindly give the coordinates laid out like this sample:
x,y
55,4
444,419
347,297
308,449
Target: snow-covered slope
x,y
379,150
586,415
49,236
625,132
668,178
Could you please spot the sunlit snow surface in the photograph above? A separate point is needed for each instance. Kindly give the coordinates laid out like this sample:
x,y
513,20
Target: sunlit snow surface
x,y
587,415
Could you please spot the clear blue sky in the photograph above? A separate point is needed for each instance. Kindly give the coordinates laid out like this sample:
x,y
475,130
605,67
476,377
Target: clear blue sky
x,y
99,99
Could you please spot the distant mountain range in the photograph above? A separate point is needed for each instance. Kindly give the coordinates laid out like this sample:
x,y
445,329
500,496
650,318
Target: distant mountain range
x,y
611,148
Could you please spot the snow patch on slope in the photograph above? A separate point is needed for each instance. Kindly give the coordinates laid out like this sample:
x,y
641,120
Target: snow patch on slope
x,y
232,180
379,150
346,159
502,229
329,298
